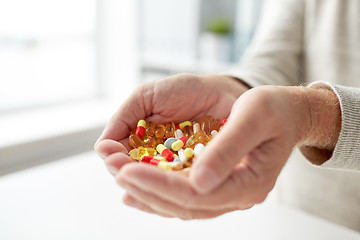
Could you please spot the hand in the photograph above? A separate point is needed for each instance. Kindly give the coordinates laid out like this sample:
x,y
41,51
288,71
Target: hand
x,y
240,165
176,98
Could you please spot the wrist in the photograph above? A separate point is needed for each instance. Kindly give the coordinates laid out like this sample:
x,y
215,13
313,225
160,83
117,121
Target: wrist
x,y
324,122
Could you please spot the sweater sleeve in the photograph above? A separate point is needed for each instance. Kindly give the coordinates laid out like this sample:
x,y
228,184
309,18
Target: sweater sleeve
x,y
274,55
346,154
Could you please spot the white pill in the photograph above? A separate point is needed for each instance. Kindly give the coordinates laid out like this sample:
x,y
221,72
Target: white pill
x,y
179,134
198,150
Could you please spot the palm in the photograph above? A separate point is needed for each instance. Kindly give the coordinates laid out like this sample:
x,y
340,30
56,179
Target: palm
x,y
182,98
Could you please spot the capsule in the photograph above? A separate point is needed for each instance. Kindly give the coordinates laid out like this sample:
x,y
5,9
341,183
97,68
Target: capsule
x,y
189,153
178,134
166,153
170,130
198,137
135,141
168,143
177,145
161,158
140,152
184,124
140,129
150,129
198,149
160,131
223,122
184,139
150,142
196,127
215,125
164,165
188,131
146,159
154,161
182,156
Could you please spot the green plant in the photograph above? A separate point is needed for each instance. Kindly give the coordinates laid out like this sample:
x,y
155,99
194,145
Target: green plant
x,y
219,25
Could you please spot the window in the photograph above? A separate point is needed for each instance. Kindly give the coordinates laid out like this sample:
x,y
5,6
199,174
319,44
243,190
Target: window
x,y
74,58
47,51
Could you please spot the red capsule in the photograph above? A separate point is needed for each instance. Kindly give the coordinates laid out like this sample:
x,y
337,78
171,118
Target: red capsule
x,y
223,122
183,139
166,153
140,129
154,161
147,159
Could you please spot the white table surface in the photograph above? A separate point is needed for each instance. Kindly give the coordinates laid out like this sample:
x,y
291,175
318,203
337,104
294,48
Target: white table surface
x,y
75,198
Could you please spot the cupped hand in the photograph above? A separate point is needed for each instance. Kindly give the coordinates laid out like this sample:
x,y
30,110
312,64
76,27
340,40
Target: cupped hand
x,y
176,98
239,167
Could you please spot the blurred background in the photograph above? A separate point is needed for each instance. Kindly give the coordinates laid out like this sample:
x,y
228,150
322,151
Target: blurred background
x,y
65,66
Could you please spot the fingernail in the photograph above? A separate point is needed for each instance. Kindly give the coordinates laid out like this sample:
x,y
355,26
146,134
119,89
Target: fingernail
x,y
205,179
113,170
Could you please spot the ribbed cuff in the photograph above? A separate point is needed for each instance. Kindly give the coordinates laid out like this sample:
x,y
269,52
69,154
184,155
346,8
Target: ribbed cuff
x,y
346,154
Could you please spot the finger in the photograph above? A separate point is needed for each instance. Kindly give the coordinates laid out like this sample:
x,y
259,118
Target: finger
x,y
116,161
106,147
162,207
175,188
137,106
243,132
133,202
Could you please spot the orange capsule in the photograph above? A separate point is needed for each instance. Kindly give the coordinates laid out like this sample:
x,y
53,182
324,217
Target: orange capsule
x,y
170,130
188,131
215,125
160,131
135,141
150,129
198,137
150,142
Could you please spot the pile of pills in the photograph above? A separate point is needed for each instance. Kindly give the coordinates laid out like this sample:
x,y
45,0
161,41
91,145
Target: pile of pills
x,y
172,146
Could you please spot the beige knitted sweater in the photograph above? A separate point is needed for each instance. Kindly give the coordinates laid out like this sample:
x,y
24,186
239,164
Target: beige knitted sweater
x,y
303,41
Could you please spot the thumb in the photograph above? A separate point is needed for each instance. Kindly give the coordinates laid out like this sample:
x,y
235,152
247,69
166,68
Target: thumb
x,y
243,132
127,116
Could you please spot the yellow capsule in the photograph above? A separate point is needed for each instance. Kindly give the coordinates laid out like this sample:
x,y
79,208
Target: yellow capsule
x,y
189,153
159,158
139,152
160,148
164,165
177,145
183,124
141,123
